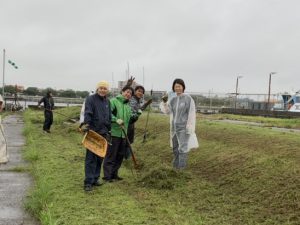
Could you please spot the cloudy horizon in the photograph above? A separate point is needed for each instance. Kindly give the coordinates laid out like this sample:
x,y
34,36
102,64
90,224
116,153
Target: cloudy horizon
x,y
75,44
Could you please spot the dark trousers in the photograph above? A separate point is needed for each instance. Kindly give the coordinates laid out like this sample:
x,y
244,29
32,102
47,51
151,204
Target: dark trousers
x,y
48,120
130,132
92,167
130,135
114,158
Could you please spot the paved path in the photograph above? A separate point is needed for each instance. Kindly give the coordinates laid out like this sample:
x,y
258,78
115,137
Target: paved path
x,y
14,185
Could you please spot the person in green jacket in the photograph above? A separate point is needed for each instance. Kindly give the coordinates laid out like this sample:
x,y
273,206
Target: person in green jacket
x,y
121,114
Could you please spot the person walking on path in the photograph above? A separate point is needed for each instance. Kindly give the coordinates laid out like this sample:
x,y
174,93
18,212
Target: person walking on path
x,y
121,114
1,103
97,117
3,146
48,107
182,111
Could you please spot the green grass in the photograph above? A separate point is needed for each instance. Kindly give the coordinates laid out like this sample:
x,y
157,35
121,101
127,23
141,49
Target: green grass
x,y
239,175
265,121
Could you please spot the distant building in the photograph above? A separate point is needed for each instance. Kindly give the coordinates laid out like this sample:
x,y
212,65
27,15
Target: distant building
x,y
156,95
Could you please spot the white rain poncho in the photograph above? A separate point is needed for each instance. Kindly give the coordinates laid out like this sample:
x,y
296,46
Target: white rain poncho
x,y
182,112
3,146
81,120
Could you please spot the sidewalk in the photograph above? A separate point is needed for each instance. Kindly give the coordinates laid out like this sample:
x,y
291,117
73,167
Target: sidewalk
x,y
14,185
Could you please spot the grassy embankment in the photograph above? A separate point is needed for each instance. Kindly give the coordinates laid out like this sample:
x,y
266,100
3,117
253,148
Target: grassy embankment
x,y
239,175
264,121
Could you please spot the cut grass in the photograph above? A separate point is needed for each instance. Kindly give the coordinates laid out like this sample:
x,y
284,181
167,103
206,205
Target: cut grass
x,y
265,121
239,175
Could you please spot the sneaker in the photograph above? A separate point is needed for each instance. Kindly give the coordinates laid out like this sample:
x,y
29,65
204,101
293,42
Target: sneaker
x,y
97,183
88,187
109,180
117,178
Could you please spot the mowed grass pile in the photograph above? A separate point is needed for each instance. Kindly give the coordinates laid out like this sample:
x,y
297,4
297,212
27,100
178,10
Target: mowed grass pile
x,y
239,175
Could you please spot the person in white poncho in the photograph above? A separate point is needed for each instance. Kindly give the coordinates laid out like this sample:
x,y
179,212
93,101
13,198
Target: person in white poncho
x,y
182,111
3,146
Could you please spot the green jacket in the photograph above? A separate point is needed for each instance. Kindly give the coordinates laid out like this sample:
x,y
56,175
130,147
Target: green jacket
x,y
120,110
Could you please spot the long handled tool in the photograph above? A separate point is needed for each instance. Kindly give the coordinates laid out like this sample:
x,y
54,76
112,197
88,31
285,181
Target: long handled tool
x,y
91,139
146,126
135,165
70,119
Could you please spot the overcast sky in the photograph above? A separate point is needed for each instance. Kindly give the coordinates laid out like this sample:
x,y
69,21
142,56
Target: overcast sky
x,y
208,43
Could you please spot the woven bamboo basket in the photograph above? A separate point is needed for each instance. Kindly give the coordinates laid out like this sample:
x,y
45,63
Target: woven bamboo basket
x,y
95,143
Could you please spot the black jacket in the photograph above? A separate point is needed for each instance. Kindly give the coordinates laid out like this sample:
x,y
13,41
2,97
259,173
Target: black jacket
x,y
48,103
97,114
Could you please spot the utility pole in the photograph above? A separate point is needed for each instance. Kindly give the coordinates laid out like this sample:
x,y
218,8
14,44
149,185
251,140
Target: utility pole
x,y
113,84
236,90
210,97
128,70
10,62
3,73
269,92
143,77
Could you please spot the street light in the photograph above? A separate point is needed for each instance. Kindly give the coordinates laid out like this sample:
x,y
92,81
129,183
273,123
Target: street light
x,y
236,89
269,92
3,73
11,63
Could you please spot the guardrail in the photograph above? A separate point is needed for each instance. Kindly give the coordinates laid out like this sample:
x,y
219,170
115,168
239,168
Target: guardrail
x,y
208,109
37,98
19,103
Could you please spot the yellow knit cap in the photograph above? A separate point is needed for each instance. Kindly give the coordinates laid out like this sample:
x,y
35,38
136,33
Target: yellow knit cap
x,y
102,83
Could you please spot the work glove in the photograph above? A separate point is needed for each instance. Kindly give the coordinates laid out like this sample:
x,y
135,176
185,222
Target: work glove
x,y
120,122
130,81
144,106
133,119
39,106
139,112
164,98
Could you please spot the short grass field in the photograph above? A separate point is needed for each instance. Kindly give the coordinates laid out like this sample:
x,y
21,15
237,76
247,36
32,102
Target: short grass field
x,y
264,121
239,175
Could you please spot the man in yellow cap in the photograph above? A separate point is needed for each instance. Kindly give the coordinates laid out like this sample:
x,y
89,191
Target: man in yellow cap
x,y
97,117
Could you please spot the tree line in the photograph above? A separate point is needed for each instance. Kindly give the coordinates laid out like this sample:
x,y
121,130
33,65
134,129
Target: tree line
x,y
69,93
34,91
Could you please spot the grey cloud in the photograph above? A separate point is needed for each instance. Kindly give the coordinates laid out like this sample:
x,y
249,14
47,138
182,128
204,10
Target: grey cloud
x,y
74,44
